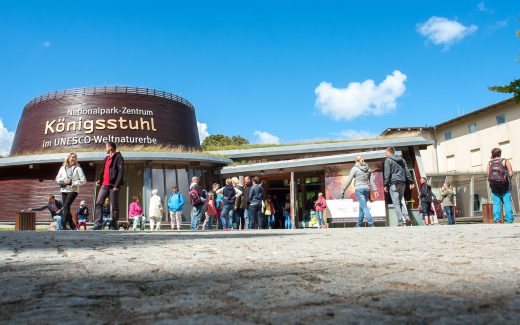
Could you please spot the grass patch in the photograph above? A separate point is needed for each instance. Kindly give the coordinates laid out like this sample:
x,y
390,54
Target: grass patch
x,y
122,149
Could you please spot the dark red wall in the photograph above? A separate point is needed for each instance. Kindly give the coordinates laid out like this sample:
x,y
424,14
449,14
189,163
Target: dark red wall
x,y
174,121
21,188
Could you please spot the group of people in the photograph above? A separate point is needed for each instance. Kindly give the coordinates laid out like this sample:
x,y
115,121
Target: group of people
x,y
238,206
70,178
232,206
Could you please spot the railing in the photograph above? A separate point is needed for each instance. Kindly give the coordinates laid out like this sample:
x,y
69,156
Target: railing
x,y
109,90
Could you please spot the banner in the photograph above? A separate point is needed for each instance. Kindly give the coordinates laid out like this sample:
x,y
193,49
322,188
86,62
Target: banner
x,y
347,209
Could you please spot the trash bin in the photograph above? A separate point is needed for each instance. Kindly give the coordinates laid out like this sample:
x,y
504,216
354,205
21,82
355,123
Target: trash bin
x,y
25,221
487,213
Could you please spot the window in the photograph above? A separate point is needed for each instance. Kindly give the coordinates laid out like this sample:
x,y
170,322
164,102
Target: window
x,y
501,119
447,135
476,160
450,163
472,128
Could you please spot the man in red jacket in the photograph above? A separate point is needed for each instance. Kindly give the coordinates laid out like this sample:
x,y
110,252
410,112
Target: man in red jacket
x,y
110,180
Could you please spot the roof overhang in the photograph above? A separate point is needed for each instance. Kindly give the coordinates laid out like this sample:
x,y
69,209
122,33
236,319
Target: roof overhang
x,y
128,156
369,144
304,164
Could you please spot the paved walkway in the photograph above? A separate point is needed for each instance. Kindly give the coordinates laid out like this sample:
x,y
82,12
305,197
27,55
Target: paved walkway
x,y
439,274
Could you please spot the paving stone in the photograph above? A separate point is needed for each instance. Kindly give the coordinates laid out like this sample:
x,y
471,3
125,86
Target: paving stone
x,y
412,275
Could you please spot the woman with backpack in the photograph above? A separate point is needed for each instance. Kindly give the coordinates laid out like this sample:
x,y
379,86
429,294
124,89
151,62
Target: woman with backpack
x,y
500,172
426,197
363,181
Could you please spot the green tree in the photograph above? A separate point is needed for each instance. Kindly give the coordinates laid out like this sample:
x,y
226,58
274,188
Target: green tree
x,y
220,140
512,88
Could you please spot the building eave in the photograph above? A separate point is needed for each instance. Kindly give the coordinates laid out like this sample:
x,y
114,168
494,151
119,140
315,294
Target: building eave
x,y
128,156
324,147
287,165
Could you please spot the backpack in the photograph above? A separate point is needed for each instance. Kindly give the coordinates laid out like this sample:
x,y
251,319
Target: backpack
x,y
194,197
498,173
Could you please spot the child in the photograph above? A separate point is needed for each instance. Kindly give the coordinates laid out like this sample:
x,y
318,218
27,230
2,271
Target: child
x,y
268,208
136,214
83,215
107,217
211,211
175,205
319,206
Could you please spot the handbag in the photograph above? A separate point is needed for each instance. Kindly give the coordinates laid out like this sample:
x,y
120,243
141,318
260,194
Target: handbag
x,y
371,197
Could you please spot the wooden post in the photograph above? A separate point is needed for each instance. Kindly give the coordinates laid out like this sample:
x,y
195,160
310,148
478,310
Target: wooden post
x,y
292,195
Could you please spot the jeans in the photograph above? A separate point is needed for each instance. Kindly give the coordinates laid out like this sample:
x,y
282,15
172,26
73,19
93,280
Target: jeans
x,y
288,224
254,214
227,215
196,213
247,217
105,223
270,220
319,214
103,193
396,194
498,200
67,199
57,218
141,220
448,211
208,222
364,212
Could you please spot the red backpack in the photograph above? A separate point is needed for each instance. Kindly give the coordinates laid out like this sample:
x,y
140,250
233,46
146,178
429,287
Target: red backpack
x,y
194,197
498,173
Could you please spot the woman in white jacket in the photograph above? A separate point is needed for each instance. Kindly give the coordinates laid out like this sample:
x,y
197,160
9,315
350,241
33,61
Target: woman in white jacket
x,y
70,178
155,210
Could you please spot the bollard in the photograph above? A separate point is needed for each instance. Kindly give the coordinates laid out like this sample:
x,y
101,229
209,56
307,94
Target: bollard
x,y
25,221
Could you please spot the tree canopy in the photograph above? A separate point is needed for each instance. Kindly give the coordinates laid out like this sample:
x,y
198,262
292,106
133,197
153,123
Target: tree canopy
x,y
220,140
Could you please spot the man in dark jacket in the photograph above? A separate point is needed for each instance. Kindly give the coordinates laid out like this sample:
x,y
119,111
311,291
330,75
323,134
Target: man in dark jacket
x,y
54,206
247,189
256,197
110,180
240,204
397,176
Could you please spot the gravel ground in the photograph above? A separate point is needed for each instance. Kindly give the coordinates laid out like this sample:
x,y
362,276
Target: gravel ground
x,y
417,275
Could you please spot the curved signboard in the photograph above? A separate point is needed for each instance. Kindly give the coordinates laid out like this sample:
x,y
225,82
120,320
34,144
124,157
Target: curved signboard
x,y
84,118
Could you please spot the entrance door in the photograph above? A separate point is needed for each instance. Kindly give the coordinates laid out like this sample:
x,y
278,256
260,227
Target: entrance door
x,y
277,186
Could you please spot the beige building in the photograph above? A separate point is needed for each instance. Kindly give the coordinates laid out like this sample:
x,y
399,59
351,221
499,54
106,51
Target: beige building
x,y
462,148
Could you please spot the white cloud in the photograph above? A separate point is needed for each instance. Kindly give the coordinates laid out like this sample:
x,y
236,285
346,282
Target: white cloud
x,y
46,44
442,31
203,131
360,98
357,134
6,139
266,138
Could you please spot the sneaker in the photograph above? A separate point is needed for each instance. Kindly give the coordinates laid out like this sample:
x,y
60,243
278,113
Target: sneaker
x,y
498,222
370,225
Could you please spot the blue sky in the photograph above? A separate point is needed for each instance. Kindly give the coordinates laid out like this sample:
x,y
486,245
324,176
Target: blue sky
x,y
270,71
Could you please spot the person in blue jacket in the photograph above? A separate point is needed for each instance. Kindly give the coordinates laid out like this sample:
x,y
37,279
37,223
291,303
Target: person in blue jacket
x,y
175,205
